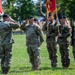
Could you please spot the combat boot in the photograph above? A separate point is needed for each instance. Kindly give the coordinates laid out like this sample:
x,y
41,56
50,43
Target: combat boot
x,y
54,64
5,70
36,68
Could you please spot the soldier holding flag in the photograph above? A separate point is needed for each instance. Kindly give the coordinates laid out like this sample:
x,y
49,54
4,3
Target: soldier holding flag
x,y
51,28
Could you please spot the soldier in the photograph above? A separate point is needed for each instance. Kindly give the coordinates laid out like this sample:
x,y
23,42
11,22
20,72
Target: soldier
x,y
51,37
63,41
73,40
34,39
6,42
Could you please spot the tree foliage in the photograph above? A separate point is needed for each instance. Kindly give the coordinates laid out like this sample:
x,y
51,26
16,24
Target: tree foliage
x,y
24,8
16,8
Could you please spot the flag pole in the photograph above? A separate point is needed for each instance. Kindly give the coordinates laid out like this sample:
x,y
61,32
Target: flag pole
x,y
47,14
48,4
57,20
47,21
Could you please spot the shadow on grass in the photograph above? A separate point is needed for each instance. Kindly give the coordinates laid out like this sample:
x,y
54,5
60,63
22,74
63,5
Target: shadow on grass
x,y
20,70
28,69
44,68
58,68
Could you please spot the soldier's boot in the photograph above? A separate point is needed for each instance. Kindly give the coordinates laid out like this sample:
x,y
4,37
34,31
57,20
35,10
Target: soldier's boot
x,y
54,65
65,65
5,70
73,51
37,64
35,67
74,56
66,62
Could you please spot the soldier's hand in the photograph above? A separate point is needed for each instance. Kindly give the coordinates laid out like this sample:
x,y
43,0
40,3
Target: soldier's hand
x,y
10,19
27,21
47,20
57,20
59,35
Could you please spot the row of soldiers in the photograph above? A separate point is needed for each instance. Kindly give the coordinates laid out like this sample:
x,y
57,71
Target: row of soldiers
x,y
34,39
63,32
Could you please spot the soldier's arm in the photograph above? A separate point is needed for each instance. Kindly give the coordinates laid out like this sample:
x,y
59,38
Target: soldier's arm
x,y
14,25
22,27
40,33
68,33
55,33
44,28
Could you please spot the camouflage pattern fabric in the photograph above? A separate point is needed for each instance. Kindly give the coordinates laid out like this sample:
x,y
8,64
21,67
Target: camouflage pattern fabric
x,y
6,44
34,39
51,40
73,40
64,45
34,55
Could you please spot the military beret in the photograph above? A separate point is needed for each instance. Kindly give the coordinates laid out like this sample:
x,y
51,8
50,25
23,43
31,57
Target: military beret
x,y
5,16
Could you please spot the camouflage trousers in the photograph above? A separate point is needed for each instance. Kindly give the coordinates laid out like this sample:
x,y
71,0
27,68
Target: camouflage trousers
x,y
64,51
52,50
34,55
74,49
6,54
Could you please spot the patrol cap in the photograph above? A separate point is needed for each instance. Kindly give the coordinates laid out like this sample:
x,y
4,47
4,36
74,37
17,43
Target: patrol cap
x,y
31,17
5,16
63,17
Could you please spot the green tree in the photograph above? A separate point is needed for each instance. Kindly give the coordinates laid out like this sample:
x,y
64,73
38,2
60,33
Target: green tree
x,y
40,8
25,8
71,8
22,8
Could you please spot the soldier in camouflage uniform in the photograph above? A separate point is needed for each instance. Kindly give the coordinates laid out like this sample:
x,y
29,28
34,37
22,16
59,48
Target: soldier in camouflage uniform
x,y
73,40
34,38
6,41
51,39
63,41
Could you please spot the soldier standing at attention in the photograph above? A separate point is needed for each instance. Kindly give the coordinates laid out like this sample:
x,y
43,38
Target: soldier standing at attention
x,y
51,39
6,42
34,39
65,31
73,40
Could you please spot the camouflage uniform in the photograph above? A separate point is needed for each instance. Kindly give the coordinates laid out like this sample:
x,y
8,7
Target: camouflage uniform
x,y
64,44
73,41
34,39
51,41
6,44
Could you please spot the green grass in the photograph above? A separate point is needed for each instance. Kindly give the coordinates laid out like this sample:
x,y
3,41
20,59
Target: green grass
x,y
21,65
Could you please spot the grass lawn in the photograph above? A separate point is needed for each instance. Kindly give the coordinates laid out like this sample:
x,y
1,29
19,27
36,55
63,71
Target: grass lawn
x,y
21,65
